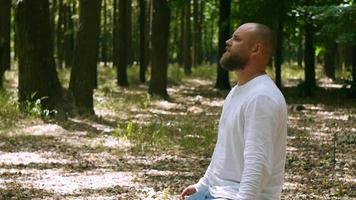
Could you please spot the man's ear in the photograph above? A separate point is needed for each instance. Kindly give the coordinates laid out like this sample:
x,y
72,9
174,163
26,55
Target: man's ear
x,y
257,49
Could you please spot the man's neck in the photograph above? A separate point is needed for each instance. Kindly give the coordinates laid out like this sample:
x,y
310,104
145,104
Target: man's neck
x,y
244,76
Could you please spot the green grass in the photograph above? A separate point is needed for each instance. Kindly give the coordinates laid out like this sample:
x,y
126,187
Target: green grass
x,y
9,110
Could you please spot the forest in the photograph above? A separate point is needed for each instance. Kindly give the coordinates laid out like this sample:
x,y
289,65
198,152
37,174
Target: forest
x,y
121,99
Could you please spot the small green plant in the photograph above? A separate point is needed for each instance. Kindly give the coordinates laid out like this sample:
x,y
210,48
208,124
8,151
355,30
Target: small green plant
x,y
33,106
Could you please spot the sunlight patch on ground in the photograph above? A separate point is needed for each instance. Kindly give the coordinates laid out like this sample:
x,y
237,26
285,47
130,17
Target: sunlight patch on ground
x,y
168,105
214,103
102,141
45,129
164,112
24,158
73,183
199,82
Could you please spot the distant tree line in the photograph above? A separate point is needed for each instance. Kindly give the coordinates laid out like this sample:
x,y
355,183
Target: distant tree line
x,y
45,35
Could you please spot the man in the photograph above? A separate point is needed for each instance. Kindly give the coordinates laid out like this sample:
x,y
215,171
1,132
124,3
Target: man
x,y
249,156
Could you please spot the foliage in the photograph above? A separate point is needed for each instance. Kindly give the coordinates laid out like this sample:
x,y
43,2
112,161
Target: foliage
x,y
9,109
33,106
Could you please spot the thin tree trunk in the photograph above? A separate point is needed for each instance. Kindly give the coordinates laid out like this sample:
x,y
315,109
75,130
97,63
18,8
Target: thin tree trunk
x,y
353,84
104,45
5,28
142,23
222,80
160,38
123,37
60,34
68,36
187,40
279,48
309,58
198,26
329,61
37,73
115,33
181,42
83,78
300,55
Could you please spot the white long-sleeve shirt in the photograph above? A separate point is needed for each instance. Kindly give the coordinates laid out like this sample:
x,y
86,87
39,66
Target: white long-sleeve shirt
x,y
249,156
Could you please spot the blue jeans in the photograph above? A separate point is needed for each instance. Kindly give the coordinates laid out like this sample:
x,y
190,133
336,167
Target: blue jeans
x,y
202,195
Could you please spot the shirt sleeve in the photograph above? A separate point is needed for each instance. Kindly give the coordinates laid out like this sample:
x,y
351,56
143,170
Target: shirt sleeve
x,y
260,124
204,181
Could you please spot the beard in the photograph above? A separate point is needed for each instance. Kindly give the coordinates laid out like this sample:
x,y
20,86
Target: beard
x,y
232,62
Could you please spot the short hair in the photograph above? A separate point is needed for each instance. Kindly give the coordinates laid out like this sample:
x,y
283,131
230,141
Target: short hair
x,y
265,35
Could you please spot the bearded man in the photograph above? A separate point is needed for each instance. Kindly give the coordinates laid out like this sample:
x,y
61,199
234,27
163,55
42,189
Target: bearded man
x,y
249,156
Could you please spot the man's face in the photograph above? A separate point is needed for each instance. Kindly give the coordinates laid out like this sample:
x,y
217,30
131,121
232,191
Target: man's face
x,y
237,51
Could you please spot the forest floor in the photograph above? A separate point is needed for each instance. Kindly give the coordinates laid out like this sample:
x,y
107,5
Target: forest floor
x,y
142,147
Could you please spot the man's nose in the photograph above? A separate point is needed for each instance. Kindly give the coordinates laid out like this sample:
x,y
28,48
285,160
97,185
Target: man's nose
x,y
228,42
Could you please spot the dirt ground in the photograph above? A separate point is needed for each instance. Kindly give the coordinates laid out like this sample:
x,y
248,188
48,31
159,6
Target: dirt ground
x,y
139,147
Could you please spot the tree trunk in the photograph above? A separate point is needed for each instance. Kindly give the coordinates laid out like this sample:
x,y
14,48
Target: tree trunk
x,y
142,41
329,61
300,49
198,26
83,78
222,80
105,35
180,55
53,14
123,43
68,35
279,48
353,84
60,34
309,58
187,41
5,27
115,50
37,72
160,36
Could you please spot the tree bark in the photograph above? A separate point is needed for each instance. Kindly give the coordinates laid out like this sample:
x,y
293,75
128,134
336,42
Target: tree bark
x,y
5,27
160,36
68,35
187,40
309,58
222,80
353,84
37,73
279,48
198,26
83,78
60,35
123,42
115,34
105,35
142,41
329,61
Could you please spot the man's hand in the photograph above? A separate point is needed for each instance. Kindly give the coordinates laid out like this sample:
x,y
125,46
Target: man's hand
x,y
187,192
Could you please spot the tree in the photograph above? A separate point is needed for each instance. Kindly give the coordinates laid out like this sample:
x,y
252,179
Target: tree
x,y
160,36
198,6
309,55
105,34
142,23
5,24
123,42
37,72
222,80
68,43
187,41
83,78
279,57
